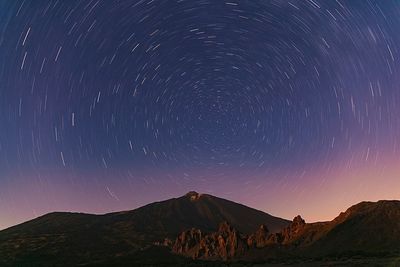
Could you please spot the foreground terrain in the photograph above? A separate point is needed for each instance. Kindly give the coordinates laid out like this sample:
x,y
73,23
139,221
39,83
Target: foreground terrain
x,y
203,230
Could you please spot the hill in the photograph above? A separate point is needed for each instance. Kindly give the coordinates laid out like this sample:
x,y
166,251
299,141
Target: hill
x,y
368,229
56,236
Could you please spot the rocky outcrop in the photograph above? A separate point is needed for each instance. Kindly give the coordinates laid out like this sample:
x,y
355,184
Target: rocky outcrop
x,y
188,243
288,234
293,231
260,238
224,244
228,243
193,195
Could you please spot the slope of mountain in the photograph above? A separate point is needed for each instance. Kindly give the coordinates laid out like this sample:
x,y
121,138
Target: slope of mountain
x,y
128,238
365,229
170,217
370,228
94,238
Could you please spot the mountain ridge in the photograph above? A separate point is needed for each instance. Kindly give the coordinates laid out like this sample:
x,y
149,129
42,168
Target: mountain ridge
x,y
97,237
201,227
366,228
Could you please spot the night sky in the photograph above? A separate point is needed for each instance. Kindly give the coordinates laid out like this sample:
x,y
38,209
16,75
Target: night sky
x,y
291,107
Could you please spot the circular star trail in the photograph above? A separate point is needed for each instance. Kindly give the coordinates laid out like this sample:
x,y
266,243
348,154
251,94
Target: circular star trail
x,y
198,94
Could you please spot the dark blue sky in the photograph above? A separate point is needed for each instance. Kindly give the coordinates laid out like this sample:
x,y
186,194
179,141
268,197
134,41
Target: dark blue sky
x,y
109,92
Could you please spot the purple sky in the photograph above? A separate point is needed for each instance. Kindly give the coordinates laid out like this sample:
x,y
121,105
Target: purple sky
x,y
288,106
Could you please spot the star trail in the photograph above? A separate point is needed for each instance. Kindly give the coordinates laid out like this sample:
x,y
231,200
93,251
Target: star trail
x,y
288,106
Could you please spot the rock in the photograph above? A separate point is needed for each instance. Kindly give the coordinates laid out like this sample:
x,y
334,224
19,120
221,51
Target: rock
x,y
260,238
230,242
298,221
193,196
188,242
227,243
288,234
293,231
224,244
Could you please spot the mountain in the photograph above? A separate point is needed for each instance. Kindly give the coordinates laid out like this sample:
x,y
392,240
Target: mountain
x,y
168,218
56,236
203,230
368,229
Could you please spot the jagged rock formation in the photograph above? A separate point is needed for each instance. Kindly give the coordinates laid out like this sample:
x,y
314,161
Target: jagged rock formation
x,y
224,244
289,234
260,238
368,228
188,243
228,243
